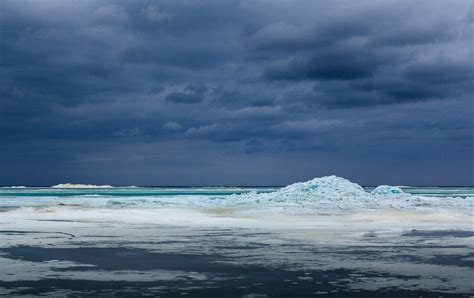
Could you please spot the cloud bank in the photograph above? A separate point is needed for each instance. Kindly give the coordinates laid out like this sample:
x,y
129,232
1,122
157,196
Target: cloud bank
x,y
236,92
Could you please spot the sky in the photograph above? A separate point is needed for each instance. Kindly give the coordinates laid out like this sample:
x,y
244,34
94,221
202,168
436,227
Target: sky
x,y
258,92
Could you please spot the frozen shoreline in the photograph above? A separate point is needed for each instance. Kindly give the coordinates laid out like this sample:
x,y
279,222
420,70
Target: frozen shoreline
x,y
380,239
398,247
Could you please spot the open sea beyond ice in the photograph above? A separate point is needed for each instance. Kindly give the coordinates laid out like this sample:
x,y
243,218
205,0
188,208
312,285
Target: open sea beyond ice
x,y
327,236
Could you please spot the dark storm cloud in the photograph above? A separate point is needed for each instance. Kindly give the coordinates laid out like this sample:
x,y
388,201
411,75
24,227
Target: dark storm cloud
x,y
286,90
332,64
395,56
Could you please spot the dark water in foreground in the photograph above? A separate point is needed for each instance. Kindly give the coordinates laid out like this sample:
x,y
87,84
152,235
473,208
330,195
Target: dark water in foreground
x,y
228,281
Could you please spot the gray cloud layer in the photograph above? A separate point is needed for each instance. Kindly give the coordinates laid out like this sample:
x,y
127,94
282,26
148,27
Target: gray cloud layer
x,y
236,92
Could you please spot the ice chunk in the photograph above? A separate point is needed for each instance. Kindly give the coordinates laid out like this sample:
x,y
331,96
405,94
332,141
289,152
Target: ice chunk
x,y
387,190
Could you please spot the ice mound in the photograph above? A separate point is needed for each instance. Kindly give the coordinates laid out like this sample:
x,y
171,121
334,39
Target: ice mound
x,y
388,190
72,185
333,187
325,188
320,195
332,195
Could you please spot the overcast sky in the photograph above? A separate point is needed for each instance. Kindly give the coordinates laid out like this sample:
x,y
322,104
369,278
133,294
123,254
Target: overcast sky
x,y
236,92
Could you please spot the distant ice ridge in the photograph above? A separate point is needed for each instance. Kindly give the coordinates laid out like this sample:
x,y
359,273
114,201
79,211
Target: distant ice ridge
x,y
72,185
14,186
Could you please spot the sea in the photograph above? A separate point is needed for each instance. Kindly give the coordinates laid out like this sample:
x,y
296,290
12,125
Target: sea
x,y
324,237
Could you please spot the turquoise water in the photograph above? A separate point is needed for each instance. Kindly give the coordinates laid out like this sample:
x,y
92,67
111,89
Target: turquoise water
x,y
200,191
127,192
115,196
15,197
